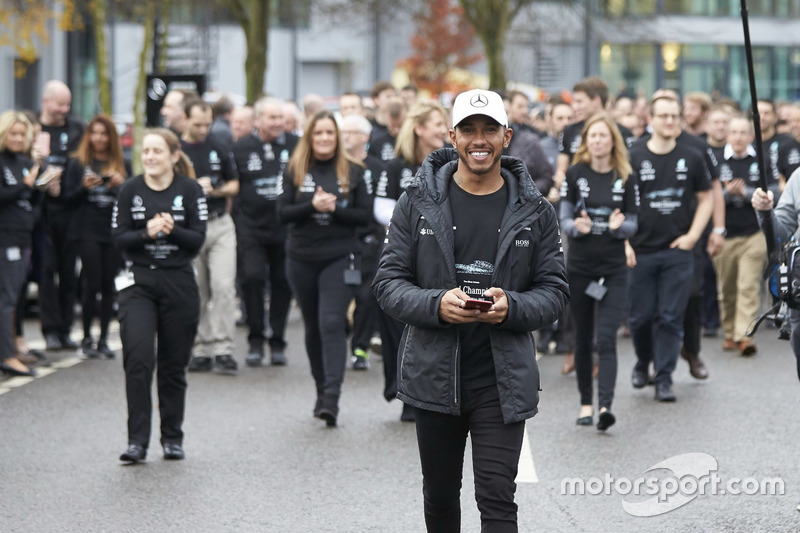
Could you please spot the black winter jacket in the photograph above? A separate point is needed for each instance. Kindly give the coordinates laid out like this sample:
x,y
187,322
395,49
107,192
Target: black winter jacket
x,y
417,268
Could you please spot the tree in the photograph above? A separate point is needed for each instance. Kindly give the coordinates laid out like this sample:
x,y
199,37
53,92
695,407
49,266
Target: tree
x,y
254,18
25,25
148,13
444,39
492,19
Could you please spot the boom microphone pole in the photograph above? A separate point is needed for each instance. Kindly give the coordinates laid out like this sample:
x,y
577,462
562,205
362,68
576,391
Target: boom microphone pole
x,y
766,222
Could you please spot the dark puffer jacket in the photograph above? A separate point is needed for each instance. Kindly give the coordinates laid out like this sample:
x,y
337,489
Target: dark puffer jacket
x,y
417,268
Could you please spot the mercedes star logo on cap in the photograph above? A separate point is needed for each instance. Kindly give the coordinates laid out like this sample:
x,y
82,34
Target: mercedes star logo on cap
x,y
478,101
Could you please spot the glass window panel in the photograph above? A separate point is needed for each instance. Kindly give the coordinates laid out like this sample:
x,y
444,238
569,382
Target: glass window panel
x,y
642,7
628,66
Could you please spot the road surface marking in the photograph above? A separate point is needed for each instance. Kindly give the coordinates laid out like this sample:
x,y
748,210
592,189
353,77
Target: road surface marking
x,y
526,472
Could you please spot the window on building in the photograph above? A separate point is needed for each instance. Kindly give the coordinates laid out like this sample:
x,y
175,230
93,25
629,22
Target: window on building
x,y
628,66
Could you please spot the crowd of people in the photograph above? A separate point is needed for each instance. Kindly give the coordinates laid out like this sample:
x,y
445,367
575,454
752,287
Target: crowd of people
x,y
657,201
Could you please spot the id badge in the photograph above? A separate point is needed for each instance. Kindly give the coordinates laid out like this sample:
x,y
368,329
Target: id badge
x,y
352,275
124,280
13,254
596,290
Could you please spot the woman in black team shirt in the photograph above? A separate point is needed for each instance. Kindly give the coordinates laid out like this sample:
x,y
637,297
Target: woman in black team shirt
x,y
159,223
423,131
324,198
18,174
598,211
96,169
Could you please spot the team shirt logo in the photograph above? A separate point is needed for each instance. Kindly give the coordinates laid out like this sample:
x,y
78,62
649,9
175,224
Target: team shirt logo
x,y
254,162
213,157
177,203
137,201
269,155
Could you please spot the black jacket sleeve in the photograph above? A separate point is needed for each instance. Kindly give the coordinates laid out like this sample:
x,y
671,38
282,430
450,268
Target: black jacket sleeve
x,y
288,209
124,234
191,236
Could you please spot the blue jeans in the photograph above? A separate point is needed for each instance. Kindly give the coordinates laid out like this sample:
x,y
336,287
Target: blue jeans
x,y
659,288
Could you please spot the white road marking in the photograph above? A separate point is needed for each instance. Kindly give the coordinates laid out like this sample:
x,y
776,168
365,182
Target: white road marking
x,y
4,390
526,471
67,362
18,381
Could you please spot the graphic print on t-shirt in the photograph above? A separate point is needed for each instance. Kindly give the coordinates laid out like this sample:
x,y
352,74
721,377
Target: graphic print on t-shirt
x,y
475,278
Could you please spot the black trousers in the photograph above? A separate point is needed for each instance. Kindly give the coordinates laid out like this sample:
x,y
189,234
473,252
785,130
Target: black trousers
x,y
391,333
323,299
101,261
496,448
58,288
604,317
365,321
13,268
163,309
254,256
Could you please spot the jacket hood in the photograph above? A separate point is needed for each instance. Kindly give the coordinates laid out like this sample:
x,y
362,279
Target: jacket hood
x,y
438,168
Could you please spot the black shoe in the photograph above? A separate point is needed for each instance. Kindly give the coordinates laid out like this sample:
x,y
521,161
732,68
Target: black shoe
x,y
102,347
67,343
200,363
408,414
318,406
226,363
52,343
605,420
329,410
360,359
277,356
255,355
173,451
88,349
584,421
134,454
639,377
11,370
664,393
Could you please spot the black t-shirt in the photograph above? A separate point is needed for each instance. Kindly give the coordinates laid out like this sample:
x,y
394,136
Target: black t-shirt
x,y
599,253
373,174
570,139
137,203
668,185
211,159
63,141
381,142
95,206
261,166
315,236
16,207
782,154
740,217
476,227
398,176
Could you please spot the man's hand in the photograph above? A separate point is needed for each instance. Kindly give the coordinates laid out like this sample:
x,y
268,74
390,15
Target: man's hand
x,y
715,242
451,308
205,184
762,201
630,255
735,187
685,242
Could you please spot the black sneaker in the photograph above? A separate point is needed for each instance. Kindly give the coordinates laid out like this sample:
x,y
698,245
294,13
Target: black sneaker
x,y
102,348
277,356
88,349
225,363
255,355
200,364
360,359
664,393
67,343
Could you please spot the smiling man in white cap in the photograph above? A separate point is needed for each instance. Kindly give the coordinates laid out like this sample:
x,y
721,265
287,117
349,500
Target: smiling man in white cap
x,y
471,227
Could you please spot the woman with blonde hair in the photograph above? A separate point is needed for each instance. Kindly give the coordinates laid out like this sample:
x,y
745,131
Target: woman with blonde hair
x,y
159,223
18,174
324,199
424,131
96,170
598,211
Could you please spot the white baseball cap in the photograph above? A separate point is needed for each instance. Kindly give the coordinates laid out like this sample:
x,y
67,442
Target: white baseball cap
x,y
479,102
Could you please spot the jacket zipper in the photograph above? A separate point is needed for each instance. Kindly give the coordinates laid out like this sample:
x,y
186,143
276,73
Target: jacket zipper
x,y
457,371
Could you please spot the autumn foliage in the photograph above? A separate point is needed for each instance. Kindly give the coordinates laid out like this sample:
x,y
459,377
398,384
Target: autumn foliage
x,y
444,40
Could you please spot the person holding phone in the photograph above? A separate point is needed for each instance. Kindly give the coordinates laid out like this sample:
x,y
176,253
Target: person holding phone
x,y
18,174
598,210
324,200
471,223
159,223
93,177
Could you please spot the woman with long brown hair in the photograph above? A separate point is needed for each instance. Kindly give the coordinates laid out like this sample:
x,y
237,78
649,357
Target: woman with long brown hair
x,y
96,170
159,223
598,210
324,198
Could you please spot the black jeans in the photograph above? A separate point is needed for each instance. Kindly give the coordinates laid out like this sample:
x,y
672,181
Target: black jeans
x,y
391,333
163,306
254,256
101,261
365,315
496,448
323,298
606,315
13,268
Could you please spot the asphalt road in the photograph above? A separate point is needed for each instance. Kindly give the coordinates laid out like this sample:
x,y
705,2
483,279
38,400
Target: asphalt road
x,y
258,461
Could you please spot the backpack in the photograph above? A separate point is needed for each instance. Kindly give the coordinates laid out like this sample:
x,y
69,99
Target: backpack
x,y
783,280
